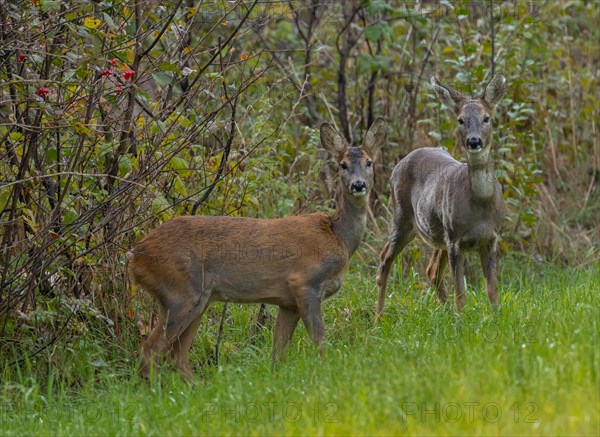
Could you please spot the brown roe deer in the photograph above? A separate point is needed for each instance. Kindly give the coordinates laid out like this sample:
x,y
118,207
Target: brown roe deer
x,y
293,262
452,206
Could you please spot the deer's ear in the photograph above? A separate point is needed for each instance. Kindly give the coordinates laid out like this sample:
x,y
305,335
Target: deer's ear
x,y
449,96
332,141
374,138
495,90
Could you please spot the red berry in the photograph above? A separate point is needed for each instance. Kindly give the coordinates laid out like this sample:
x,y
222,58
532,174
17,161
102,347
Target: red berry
x,y
21,58
112,62
106,73
128,74
42,92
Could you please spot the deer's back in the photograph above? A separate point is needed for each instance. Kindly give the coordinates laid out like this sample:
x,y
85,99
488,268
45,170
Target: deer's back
x,y
423,167
234,258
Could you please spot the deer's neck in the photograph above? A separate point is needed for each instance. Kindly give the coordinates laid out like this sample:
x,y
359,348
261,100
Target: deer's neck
x,y
350,221
482,179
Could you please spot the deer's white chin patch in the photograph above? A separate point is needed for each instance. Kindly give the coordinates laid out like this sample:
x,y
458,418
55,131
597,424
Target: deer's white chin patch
x,y
359,193
476,151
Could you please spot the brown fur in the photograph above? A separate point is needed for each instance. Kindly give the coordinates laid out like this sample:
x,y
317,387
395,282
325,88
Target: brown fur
x,y
292,262
452,206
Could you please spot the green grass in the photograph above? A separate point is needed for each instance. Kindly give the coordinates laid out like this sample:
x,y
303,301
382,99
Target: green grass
x,y
530,369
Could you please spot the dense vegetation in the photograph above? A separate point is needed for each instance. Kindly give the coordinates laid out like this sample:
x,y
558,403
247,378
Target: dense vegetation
x,y
116,116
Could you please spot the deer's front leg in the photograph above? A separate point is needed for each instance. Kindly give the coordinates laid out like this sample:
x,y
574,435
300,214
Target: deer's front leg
x,y
487,254
310,311
287,319
455,259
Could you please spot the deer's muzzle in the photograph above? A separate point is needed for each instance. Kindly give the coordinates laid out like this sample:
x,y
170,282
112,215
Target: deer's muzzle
x,y
358,188
474,143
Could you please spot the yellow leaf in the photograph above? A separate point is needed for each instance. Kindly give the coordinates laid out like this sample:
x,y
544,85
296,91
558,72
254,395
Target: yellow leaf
x,y
213,164
244,57
279,8
30,220
129,53
447,50
91,22
191,12
81,129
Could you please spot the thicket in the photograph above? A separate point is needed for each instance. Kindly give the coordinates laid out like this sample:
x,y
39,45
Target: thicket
x,y
116,116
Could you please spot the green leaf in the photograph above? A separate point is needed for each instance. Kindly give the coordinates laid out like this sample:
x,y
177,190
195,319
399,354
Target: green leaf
x,y
50,5
69,74
162,79
373,63
69,216
376,31
109,21
179,187
124,165
180,165
161,207
51,155
168,66
4,196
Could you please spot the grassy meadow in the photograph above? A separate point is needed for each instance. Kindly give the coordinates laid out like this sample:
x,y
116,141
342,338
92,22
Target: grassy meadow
x,y
529,369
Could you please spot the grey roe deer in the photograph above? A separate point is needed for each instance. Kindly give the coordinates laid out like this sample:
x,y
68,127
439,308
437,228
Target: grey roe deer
x,y
452,206
293,262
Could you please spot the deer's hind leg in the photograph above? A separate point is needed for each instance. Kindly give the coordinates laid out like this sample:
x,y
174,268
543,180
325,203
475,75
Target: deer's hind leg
x,y
179,320
182,333
154,344
435,272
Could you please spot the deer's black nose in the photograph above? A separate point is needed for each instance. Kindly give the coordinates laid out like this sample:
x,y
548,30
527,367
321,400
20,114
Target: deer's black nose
x,y
358,187
474,143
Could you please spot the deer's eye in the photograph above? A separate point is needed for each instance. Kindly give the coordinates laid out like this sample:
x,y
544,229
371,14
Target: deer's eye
x,y
461,121
486,119
369,163
343,165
